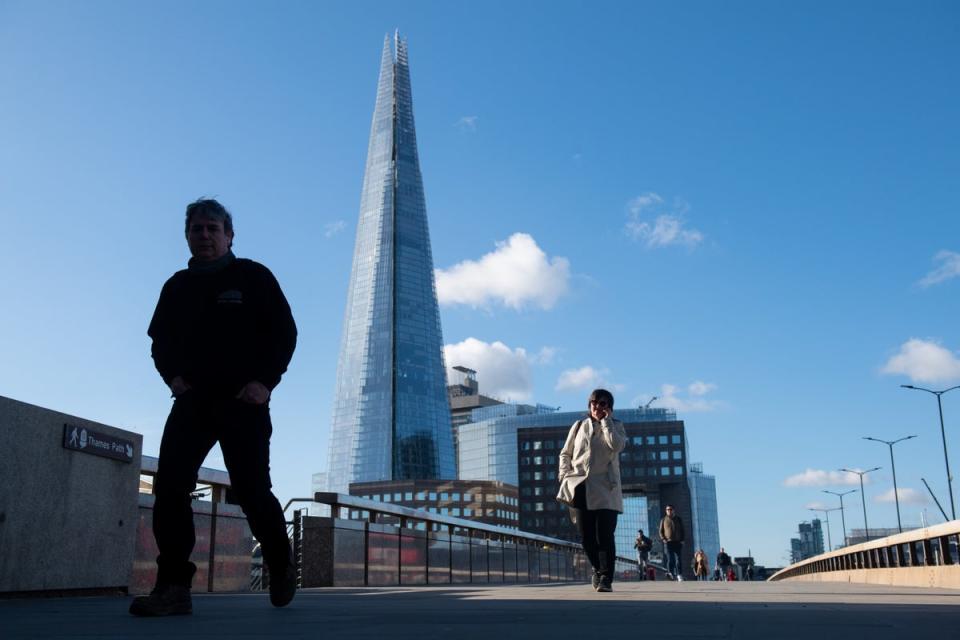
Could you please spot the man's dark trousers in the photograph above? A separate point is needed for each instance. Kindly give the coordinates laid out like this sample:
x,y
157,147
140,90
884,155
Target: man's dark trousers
x,y
196,422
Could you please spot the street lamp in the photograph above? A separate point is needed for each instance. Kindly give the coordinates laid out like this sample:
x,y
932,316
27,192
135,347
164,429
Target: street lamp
x,y
896,496
863,497
943,435
843,520
827,512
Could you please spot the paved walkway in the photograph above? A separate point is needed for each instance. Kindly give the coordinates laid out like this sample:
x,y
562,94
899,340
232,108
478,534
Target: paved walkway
x,y
633,611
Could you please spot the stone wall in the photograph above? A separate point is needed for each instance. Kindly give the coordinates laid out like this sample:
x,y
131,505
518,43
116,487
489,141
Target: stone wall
x,y
68,516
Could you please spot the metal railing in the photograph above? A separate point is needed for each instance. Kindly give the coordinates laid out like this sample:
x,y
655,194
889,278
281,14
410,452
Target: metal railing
x,y
392,544
934,546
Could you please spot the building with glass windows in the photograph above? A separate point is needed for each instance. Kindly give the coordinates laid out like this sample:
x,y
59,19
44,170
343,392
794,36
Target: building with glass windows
x,y
493,503
487,444
705,528
810,542
391,417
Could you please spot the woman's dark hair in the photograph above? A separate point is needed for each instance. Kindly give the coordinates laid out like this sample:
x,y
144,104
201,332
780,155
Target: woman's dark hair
x,y
600,394
209,208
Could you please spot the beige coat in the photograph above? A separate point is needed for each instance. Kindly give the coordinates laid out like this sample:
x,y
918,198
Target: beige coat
x,y
591,454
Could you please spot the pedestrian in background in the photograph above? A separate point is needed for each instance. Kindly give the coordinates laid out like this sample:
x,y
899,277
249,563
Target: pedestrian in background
x,y
700,565
671,535
642,544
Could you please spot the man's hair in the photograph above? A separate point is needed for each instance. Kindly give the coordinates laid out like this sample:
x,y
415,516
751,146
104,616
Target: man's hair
x,y
601,394
669,506
209,208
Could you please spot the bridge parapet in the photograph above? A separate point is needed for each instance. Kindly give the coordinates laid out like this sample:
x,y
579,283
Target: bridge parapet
x,y
925,557
374,543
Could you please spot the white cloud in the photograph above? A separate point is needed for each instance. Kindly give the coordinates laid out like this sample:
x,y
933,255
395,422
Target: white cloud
x,y
694,400
949,268
820,478
501,371
907,496
656,224
924,361
699,388
816,505
333,228
582,378
544,356
516,274
467,123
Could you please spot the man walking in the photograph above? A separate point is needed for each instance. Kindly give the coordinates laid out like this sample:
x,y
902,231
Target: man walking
x,y
223,336
723,563
642,544
671,534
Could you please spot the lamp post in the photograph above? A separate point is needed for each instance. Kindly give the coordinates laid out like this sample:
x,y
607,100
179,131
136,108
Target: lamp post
x,y
843,520
943,435
896,496
827,513
863,497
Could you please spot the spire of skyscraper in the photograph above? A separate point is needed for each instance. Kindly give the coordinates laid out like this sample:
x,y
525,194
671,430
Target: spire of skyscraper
x,y
391,417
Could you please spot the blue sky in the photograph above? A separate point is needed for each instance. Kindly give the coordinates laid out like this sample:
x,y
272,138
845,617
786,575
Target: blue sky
x,y
748,209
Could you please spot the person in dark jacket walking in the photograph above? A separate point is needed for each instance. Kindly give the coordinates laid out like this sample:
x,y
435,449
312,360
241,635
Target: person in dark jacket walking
x,y
223,336
671,534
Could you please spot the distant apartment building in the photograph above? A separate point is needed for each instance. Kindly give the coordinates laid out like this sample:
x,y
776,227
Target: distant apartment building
x,y
490,502
705,528
463,393
810,542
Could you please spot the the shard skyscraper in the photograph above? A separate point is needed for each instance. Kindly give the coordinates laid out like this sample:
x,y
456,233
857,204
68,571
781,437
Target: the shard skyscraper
x,y
391,416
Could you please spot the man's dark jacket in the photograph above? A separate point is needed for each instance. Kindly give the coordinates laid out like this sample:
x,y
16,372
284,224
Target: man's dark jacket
x,y
221,325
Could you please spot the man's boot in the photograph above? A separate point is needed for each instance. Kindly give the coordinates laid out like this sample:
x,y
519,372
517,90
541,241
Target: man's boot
x,y
164,600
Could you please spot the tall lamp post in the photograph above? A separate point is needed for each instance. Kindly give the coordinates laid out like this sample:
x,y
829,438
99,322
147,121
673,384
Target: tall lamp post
x,y
827,513
943,435
896,496
863,497
843,520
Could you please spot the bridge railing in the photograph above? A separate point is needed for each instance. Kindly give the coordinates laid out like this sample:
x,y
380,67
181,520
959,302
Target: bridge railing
x,y
896,559
369,543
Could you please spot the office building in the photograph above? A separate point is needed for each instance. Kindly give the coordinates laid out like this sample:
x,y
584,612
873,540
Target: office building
x,y
493,503
391,416
810,541
705,527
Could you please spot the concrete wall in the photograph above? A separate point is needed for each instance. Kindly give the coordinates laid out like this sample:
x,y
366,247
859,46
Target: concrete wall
x,y
940,577
68,519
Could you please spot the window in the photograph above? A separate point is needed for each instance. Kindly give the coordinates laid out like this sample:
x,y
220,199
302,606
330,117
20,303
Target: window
x,y
421,495
525,460
467,497
444,496
651,440
662,439
651,455
525,491
433,496
538,491
538,475
549,444
675,438
456,497
467,512
652,471
664,471
537,445
376,498
537,459
637,440
525,506
551,459
663,455
455,511
408,496
386,497
525,446
551,475
678,471
538,506
397,497
677,454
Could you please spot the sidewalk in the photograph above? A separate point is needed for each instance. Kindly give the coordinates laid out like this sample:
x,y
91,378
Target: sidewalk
x,y
485,612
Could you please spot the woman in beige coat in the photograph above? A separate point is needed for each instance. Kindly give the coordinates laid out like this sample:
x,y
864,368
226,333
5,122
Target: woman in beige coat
x,y
590,483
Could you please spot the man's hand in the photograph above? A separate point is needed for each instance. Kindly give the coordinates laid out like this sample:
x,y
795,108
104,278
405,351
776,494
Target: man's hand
x,y
254,393
178,386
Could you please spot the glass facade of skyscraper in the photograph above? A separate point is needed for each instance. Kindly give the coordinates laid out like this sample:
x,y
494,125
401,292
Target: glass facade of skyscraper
x,y
705,527
391,417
